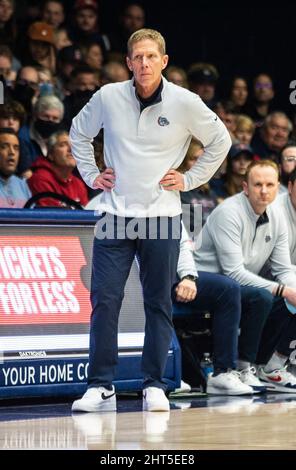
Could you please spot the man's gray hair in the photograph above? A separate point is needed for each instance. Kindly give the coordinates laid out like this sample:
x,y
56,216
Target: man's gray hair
x,y
46,103
53,139
143,34
277,114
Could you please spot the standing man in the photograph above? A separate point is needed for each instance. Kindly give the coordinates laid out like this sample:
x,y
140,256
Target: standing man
x,y
148,125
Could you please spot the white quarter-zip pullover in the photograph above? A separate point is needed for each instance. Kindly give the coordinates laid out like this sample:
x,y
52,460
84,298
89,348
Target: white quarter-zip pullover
x,y
142,146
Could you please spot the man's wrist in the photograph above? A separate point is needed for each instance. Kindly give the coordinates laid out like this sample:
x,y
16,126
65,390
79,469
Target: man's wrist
x,y
190,277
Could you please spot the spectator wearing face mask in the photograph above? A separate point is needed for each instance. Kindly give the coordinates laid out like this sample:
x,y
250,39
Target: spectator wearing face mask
x,y
26,89
48,113
84,83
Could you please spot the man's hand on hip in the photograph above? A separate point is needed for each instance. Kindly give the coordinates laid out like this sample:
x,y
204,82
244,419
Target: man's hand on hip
x,y
173,181
105,180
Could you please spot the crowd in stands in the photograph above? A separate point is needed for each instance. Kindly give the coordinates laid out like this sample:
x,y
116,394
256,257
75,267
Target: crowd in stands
x,y
53,61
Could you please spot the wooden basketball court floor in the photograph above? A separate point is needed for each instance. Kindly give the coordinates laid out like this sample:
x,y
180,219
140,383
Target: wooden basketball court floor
x,y
200,423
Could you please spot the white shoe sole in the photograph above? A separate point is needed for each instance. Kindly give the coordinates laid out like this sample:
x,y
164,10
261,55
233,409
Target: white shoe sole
x,y
88,408
278,388
221,391
155,407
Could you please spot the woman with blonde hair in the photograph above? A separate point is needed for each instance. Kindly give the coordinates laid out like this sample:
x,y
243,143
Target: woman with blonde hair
x,y
245,128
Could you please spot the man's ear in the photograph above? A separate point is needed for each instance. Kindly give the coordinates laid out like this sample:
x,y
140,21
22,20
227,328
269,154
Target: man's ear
x,y
245,188
129,64
165,60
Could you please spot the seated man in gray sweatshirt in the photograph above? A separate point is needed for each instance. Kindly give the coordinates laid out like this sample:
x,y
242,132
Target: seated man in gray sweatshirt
x,y
239,237
220,295
287,204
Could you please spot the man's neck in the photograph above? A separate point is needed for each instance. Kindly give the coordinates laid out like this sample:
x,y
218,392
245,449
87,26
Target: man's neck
x,y
259,210
147,92
262,109
4,177
61,172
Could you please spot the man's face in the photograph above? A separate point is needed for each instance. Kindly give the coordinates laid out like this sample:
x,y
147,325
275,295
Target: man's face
x,y
5,67
133,19
61,154
53,14
261,187
6,10
229,119
53,115
85,81
86,19
147,63
276,133
292,192
263,89
9,154
206,90
29,75
288,160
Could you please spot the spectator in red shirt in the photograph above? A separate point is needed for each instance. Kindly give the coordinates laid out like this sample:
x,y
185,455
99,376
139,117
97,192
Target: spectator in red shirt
x,y
54,173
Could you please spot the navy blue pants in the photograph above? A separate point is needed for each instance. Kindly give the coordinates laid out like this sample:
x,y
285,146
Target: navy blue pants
x,y
111,264
220,295
266,326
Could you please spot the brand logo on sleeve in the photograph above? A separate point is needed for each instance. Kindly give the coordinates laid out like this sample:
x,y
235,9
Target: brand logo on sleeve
x,y
162,121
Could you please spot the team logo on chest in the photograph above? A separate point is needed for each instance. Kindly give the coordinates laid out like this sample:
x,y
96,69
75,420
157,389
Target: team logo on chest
x,y
162,121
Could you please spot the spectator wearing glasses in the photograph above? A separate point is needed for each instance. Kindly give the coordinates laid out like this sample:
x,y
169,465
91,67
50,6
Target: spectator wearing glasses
x,y
263,93
288,162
